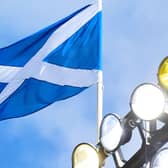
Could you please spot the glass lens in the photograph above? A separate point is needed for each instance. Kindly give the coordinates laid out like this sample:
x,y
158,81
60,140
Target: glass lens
x,y
85,156
161,159
163,73
147,101
111,132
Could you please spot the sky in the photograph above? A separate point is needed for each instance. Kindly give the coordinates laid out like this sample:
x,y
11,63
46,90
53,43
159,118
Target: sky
x,y
135,40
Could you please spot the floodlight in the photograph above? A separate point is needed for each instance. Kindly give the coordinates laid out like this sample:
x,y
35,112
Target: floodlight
x,y
110,132
163,73
160,160
147,101
85,156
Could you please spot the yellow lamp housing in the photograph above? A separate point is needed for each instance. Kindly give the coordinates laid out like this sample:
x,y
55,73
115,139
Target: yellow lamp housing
x,y
163,73
85,156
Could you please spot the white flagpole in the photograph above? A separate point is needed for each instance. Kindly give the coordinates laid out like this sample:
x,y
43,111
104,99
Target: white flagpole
x,y
99,94
99,103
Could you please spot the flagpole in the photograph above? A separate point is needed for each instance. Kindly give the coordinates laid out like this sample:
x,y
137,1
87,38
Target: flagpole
x,y
99,103
99,92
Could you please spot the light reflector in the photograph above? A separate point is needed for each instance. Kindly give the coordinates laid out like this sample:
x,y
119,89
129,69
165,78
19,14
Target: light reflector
x,y
110,132
163,73
147,101
160,160
85,156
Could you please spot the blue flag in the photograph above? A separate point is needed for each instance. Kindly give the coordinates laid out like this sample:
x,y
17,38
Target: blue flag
x,y
53,64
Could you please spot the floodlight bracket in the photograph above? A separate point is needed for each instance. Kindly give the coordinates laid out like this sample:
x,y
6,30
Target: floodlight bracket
x,y
129,122
159,138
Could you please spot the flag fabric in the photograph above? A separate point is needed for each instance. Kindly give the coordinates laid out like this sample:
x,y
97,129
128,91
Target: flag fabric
x,y
53,64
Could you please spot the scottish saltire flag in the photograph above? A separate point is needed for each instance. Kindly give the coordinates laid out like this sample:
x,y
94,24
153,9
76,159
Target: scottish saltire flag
x,y
53,64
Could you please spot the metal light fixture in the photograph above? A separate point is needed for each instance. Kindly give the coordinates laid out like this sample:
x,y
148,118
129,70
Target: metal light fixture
x,y
110,132
85,156
163,73
147,101
160,160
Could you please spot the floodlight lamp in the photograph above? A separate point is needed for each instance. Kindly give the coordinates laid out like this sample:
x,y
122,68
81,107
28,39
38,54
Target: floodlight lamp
x,y
163,73
110,132
147,101
85,156
160,160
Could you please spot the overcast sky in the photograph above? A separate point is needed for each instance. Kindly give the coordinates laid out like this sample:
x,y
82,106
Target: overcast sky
x,y
135,40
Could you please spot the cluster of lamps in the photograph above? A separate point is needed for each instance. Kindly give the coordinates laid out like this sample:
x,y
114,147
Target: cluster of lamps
x,y
148,102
